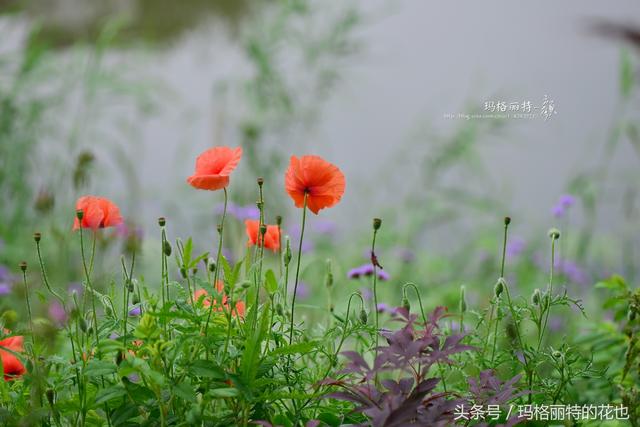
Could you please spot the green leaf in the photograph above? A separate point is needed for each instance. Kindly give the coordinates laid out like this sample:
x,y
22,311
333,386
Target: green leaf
x,y
271,283
206,368
110,393
96,368
185,391
302,348
626,74
224,392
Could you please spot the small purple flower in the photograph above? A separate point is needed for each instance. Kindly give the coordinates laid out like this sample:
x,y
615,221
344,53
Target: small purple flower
x,y
367,270
558,211
57,313
5,289
382,307
5,275
75,287
303,291
135,311
241,213
515,247
567,200
324,226
134,378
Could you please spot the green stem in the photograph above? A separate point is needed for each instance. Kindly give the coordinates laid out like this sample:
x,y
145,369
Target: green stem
x,y
549,295
295,286
89,284
216,273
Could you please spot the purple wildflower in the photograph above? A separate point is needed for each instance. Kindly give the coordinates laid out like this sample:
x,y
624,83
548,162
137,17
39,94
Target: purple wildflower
x,y
5,289
567,200
57,313
324,226
303,291
367,270
135,311
515,247
241,213
75,287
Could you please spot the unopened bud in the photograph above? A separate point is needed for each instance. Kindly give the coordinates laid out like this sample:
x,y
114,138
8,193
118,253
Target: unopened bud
x,y
535,297
287,252
405,303
162,221
37,236
263,229
499,287
463,300
183,272
135,299
166,248
79,214
507,220
278,220
23,266
130,285
260,181
246,284
279,309
377,223
363,316
211,265
82,323
554,233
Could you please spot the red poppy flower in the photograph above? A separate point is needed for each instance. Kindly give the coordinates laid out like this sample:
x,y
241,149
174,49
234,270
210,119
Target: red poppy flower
x,y
271,237
11,365
322,182
97,212
200,293
214,166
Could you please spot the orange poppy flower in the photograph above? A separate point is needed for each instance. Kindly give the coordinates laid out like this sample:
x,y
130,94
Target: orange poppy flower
x,y
213,168
239,307
271,237
97,212
322,182
11,365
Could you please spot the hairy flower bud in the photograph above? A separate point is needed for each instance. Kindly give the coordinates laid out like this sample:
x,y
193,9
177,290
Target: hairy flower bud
x,y
278,220
535,297
211,265
507,220
37,236
463,300
377,223
287,252
499,287
23,266
554,234
405,303
263,229
260,181
162,221
166,248
183,272
79,214
363,316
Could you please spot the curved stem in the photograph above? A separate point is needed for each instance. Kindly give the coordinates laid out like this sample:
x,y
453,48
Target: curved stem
x,y
549,293
87,274
295,286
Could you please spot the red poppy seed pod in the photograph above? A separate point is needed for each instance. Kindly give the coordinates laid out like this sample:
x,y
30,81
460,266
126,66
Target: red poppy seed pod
x,y
162,221
377,223
79,214
278,220
37,236
260,181
263,229
507,220
554,233
23,265
499,287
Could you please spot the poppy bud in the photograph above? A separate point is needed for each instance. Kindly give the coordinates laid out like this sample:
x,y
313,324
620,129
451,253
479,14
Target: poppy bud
x,y
79,214
9,317
278,220
363,316
82,323
287,252
162,221
463,301
135,299
246,284
377,223
554,233
183,272
328,280
166,248
405,303
108,310
499,287
279,309
556,354
50,396
535,297
23,266
194,271
507,220
37,236
211,265
260,181
263,229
